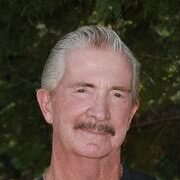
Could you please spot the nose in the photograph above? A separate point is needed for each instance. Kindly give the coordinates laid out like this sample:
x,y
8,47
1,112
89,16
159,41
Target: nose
x,y
99,109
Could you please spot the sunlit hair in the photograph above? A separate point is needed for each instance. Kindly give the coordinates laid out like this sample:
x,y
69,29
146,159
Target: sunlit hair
x,y
97,37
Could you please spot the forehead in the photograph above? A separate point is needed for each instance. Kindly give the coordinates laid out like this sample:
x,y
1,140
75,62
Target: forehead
x,y
98,65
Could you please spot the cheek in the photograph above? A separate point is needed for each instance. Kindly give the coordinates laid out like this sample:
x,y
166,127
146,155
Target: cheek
x,y
120,121
70,108
120,116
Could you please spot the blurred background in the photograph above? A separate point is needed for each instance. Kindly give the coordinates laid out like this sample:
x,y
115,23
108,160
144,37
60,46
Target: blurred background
x,y
29,29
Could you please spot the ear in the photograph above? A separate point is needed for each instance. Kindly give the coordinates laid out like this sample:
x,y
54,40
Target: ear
x,y
44,100
134,109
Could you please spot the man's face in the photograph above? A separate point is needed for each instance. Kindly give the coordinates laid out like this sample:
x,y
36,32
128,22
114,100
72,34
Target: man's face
x,y
91,107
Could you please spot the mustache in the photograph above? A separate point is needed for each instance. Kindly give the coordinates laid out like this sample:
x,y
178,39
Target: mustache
x,y
95,126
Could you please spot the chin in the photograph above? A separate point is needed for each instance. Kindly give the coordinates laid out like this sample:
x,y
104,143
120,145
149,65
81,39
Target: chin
x,y
93,151
93,146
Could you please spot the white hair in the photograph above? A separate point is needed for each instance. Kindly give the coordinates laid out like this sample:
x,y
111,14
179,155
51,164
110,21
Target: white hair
x,y
86,37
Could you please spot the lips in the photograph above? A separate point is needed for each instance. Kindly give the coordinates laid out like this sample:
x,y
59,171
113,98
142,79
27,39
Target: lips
x,y
96,132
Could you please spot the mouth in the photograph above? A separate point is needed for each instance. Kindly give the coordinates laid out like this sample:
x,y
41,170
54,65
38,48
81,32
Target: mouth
x,y
94,128
95,132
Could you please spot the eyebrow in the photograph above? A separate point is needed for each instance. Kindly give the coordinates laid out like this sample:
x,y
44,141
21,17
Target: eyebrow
x,y
83,84
120,88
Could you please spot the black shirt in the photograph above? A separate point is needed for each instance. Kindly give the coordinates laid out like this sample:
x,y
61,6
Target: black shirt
x,y
130,174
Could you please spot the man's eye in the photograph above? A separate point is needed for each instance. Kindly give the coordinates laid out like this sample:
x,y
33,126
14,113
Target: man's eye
x,y
81,90
118,95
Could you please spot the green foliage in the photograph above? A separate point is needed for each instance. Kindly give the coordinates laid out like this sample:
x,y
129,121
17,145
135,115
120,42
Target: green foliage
x,y
28,30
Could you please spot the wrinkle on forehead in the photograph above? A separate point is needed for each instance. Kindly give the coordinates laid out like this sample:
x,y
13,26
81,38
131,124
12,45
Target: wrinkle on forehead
x,y
99,66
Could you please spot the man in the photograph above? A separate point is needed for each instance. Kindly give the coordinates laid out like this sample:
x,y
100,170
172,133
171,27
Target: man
x,y
89,95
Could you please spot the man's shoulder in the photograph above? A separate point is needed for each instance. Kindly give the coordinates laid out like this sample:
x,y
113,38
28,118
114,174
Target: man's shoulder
x,y
130,174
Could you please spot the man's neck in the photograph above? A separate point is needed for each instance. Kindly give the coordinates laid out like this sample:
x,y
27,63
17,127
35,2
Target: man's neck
x,y
66,167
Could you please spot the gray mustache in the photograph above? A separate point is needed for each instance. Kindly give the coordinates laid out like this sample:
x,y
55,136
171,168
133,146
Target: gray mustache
x,y
94,126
